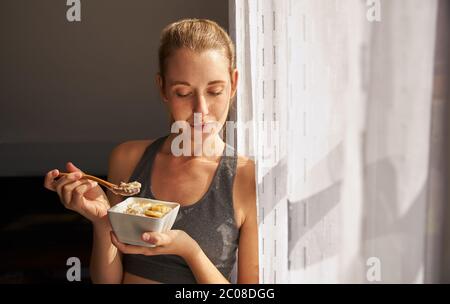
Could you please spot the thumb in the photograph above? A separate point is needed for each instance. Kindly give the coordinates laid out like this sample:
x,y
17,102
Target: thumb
x,y
156,238
72,168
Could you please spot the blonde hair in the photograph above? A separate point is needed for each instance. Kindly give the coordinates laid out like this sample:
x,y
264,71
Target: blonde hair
x,y
197,35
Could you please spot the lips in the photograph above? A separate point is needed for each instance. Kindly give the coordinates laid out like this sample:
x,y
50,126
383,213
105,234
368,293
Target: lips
x,y
203,124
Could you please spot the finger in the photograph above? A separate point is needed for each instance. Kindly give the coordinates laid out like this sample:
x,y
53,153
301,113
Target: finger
x,y
72,168
124,248
50,179
74,192
131,249
61,182
71,176
67,190
156,238
79,191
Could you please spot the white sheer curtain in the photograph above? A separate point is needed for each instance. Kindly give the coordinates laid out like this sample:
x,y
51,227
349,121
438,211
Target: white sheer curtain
x,y
334,104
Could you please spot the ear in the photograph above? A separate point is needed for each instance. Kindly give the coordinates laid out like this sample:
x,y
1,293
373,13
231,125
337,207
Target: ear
x,y
234,82
160,85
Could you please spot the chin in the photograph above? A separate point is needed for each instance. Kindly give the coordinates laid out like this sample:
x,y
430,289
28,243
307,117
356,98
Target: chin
x,y
203,135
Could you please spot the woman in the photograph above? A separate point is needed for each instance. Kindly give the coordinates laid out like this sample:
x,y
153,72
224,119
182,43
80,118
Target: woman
x,y
217,218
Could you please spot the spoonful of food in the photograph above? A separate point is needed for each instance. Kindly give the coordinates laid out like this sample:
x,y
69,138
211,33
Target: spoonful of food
x,y
124,189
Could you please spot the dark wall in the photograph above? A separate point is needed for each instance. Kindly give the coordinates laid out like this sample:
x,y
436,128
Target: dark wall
x,y
73,90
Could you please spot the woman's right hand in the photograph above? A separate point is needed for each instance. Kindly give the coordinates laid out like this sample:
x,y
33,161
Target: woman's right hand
x,y
80,195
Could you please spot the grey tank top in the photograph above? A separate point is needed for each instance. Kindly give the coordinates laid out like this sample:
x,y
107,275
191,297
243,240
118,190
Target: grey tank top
x,y
210,221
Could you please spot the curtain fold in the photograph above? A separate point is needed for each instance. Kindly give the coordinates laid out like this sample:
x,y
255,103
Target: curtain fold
x,y
334,104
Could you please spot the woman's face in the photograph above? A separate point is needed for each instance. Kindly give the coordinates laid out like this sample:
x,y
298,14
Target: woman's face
x,y
198,83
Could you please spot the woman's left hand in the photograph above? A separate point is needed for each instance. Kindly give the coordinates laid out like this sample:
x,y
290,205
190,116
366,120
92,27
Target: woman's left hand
x,y
175,242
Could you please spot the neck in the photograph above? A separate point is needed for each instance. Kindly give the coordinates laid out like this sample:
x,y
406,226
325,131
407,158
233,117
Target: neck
x,y
205,149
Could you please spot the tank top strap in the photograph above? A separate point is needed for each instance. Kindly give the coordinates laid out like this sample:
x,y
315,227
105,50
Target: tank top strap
x,y
145,164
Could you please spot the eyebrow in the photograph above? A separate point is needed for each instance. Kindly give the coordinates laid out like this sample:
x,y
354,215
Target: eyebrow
x,y
176,82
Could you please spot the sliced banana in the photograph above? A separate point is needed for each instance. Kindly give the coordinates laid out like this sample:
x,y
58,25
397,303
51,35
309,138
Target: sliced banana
x,y
148,209
152,213
161,208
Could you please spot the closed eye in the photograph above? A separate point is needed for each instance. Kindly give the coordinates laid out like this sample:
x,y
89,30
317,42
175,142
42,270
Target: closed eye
x,y
216,93
183,95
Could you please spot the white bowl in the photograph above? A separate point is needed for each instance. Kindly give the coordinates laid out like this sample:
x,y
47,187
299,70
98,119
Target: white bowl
x,y
129,227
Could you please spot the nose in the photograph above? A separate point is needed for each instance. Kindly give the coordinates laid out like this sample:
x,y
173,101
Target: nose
x,y
201,105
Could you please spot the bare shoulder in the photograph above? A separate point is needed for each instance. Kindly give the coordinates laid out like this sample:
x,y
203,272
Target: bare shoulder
x,y
129,151
124,158
245,169
244,189
122,161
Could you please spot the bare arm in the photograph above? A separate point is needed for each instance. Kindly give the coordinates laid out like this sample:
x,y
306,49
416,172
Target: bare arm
x,y
204,270
106,260
248,268
248,264
248,260
106,264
